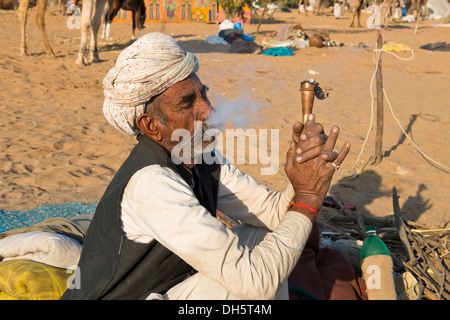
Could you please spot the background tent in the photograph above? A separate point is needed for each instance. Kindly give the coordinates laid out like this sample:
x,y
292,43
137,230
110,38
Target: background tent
x,y
440,8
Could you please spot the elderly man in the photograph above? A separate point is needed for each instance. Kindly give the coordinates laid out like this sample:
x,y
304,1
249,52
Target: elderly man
x,y
155,234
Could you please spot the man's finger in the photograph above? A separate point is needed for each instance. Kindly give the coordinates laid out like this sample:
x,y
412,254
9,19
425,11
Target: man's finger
x,y
342,154
314,141
307,155
311,128
331,141
296,132
329,156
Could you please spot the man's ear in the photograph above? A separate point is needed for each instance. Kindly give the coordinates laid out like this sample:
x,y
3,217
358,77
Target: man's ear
x,y
150,126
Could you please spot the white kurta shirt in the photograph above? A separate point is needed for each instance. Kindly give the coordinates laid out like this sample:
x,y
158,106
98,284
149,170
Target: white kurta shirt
x,y
158,204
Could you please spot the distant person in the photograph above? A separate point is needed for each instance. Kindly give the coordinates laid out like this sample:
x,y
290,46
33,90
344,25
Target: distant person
x,y
337,9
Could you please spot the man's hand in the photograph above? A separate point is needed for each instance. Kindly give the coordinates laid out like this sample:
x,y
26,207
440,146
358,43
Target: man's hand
x,y
309,161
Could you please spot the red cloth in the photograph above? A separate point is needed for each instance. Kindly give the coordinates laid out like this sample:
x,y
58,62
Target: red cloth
x,y
325,274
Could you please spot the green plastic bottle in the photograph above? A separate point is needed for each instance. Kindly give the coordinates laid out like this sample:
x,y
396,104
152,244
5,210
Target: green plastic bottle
x,y
377,267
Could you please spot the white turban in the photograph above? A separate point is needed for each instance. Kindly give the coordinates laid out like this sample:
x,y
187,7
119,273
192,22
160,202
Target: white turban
x,y
152,64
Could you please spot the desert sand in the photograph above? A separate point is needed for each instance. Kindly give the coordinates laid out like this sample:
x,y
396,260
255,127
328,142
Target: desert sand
x,y
57,147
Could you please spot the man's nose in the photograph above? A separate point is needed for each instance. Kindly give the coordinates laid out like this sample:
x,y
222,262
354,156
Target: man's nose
x,y
205,109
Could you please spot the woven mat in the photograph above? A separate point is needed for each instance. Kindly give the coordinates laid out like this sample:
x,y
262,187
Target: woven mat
x,y
19,219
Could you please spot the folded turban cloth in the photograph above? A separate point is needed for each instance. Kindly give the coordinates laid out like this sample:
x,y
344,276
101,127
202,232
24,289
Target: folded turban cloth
x,y
152,64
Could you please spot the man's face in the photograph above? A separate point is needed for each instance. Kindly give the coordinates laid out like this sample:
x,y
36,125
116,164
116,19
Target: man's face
x,y
183,104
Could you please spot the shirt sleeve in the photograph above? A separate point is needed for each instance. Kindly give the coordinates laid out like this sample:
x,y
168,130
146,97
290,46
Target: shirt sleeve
x,y
160,205
243,198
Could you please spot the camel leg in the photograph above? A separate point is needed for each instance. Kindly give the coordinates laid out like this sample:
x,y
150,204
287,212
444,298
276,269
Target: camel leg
x,y
106,25
135,13
305,4
358,14
361,4
40,22
322,7
85,25
353,19
22,14
386,15
104,20
109,17
96,21
389,6
61,7
300,4
108,30
103,30
359,18
316,7
141,15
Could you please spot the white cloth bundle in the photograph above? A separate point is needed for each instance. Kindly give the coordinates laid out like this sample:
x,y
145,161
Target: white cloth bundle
x,y
41,246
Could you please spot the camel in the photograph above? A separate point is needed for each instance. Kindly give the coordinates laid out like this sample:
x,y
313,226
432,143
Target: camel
x,y
386,9
89,24
302,6
389,6
318,7
356,5
41,6
137,7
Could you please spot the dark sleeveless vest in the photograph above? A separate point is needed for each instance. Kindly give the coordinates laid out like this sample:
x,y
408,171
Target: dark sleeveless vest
x,y
113,267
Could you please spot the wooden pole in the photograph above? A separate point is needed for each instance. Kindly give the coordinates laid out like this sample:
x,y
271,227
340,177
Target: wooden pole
x,y
380,111
262,15
261,19
421,2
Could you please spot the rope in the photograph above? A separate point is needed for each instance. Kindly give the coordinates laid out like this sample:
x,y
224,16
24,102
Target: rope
x,y
379,51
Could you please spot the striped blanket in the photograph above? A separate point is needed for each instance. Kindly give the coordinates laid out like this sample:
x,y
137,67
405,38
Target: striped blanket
x,y
290,32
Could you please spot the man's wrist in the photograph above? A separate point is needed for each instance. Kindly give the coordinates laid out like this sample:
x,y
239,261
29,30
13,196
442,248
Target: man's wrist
x,y
313,200
306,204
308,213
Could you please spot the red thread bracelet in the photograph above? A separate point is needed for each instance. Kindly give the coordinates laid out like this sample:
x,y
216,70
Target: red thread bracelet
x,y
301,205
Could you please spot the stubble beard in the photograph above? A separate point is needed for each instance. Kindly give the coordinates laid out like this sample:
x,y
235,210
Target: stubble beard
x,y
202,140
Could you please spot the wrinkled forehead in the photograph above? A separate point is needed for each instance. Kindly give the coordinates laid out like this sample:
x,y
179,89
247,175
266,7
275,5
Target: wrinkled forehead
x,y
185,90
